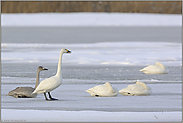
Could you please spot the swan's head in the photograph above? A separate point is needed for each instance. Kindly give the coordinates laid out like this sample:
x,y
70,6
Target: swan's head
x,y
161,65
143,85
67,51
107,84
40,68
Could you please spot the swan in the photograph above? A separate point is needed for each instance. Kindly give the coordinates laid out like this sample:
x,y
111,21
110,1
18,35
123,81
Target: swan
x,y
49,84
105,90
158,68
137,89
26,92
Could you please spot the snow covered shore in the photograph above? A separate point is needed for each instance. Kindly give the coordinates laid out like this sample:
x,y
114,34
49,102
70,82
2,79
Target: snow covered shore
x,y
91,19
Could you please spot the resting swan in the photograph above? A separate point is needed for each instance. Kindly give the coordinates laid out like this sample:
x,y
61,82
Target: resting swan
x,y
158,68
53,82
26,92
105,90
137,89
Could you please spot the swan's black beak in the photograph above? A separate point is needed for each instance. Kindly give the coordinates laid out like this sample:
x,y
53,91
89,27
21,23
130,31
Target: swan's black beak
x,y
45,69
68,51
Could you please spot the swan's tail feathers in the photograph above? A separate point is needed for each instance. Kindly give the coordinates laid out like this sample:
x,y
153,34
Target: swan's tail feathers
x,y
8,94
141,70
37,92
33,92
144,70
40,91
90,92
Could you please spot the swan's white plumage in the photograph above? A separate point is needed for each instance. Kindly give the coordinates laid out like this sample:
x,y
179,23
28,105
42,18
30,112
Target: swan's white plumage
x,y
137,89
48,85
53,82
158,68
105,90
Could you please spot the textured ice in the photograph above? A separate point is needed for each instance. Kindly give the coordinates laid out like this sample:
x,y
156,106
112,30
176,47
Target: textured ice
x,y
108,53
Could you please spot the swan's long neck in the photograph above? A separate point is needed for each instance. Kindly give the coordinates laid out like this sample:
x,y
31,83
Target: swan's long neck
x,y
37,78
143,85
160,64
59,73
109,86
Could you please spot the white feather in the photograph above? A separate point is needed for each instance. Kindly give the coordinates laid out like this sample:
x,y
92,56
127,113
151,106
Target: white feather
x,y
53,82
137,89
158,68
105,90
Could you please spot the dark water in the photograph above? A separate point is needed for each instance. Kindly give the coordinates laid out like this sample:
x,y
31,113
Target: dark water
x,y
69,35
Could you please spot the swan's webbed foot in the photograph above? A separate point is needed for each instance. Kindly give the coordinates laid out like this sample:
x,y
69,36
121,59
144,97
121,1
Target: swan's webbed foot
x,y
51,97
20,96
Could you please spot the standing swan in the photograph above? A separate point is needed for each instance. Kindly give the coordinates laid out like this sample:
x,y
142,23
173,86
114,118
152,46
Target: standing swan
x,y
26,92
53,82
158,68
105,90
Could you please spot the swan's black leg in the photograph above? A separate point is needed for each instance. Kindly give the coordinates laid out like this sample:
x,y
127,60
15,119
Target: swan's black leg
x,y
51,97
45,96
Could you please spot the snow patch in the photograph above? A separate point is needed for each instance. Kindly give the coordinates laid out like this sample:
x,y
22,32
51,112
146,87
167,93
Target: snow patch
x,y
114,53
90,19
84,116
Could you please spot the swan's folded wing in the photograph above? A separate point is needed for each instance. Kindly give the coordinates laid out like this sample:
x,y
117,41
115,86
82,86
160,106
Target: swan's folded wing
x,y
132,90
152,69
96,90
147,68
47,85
101,90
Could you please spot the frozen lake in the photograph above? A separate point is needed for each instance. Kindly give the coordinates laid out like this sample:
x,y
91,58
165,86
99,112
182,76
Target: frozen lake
x,y
68,35
99,55
166,88
165,98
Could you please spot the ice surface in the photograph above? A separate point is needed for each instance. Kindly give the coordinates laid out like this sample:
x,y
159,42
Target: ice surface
x,y
91,19
88,116
75,104
108,53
